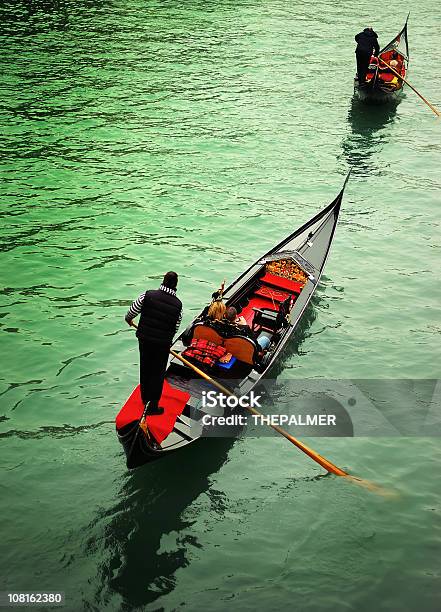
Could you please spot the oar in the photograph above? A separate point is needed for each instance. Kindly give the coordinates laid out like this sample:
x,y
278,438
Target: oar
x,y
327,465
411,86
330,467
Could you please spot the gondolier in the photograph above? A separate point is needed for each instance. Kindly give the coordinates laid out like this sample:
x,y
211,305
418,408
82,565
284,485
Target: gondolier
x,y
161,314
367,45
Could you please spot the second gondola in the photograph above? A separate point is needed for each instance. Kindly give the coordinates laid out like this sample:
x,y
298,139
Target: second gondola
x,y
382,84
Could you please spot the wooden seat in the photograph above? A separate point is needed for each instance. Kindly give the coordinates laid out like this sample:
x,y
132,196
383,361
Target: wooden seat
x,y
205,332
244,349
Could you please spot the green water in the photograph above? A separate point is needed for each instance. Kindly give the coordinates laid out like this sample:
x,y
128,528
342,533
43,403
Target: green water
x,y
144,136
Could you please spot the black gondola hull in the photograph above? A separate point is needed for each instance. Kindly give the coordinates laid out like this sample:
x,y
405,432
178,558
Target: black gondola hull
x,y
308,246
376,95
137,449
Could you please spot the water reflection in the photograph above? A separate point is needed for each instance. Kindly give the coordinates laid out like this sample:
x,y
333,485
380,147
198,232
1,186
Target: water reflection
x,y
367,135
151,504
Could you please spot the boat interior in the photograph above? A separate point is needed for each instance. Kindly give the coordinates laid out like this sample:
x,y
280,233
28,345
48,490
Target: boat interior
x,y
265,302
264,298
385,76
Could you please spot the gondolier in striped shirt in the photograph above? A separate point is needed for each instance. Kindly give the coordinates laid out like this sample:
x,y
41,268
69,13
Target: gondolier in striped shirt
x,y
161,314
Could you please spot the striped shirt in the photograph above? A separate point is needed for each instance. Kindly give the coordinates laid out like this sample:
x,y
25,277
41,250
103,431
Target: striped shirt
x,y
136,306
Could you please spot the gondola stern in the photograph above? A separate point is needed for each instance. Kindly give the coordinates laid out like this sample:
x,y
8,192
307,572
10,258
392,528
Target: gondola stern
x,y
136,448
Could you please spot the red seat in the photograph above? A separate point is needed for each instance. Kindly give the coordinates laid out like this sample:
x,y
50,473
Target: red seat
x,y
283,283
272,294
387,76
256,302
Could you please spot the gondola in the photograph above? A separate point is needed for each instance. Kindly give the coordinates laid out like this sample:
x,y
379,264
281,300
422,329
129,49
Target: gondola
x,y
382,84
271,295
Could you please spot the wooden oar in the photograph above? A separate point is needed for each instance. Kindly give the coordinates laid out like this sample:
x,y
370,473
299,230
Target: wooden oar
x,y
330,467
411,86
327,465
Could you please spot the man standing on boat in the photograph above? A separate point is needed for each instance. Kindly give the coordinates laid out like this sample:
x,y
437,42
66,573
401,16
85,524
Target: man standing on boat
x,y
367,45
161,314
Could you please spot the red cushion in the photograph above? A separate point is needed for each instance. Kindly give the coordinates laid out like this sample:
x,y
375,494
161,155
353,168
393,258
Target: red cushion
x,y
387,76
283,283
172,400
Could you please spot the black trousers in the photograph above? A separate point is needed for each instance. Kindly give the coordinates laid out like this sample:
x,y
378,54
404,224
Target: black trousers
x,y
152,366
363,60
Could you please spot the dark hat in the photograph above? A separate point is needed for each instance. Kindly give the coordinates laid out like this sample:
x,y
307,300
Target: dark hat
x,y
170,280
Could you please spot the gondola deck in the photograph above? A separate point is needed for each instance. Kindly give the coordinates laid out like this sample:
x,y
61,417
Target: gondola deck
x,y
290,272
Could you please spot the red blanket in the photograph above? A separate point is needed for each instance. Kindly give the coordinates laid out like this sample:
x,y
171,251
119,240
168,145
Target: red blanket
x,y
172,400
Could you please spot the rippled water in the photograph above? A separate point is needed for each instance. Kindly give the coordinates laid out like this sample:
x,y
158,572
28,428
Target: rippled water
x,y
145,136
